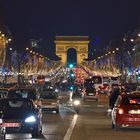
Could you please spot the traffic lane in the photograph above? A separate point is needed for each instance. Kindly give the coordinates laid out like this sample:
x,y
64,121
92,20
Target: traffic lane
x,y
55,125
93,123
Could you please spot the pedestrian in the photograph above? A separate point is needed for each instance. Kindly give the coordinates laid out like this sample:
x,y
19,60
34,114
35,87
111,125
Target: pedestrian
x,y
113,97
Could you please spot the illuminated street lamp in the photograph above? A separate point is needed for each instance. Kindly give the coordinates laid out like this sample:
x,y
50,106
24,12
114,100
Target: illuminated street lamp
x,y
9,39
10,49
27,49
132,40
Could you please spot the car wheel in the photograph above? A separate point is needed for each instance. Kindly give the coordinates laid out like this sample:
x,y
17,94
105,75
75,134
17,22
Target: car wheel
x,y
36,132
113,126
96,99
2,136
117,127
57,111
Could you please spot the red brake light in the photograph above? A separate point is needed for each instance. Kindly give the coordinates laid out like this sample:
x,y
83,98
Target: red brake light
x,y
121,111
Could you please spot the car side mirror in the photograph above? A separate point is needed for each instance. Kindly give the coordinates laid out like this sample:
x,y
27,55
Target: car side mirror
x,y
1,114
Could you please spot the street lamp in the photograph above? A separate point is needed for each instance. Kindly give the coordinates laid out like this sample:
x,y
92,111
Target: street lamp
x,y
132,40
27,49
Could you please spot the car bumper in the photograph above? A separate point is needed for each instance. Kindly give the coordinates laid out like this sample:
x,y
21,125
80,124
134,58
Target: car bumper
x,y
90,97
130,121
26,128
49,107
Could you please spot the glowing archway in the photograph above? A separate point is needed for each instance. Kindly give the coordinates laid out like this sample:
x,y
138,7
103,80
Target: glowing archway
x,y
79,43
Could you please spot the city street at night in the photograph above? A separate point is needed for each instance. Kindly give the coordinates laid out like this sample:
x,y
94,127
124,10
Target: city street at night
x,y
91,123
69,70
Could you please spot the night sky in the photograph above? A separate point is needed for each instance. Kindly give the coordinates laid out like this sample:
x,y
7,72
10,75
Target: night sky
x,y
101,20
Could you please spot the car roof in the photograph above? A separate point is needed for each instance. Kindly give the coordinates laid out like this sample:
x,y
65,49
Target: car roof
x,y
132,94
24,88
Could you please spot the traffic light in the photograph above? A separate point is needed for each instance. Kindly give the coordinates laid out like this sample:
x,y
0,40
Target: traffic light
x,y
71,87
71,65
139,77
72,75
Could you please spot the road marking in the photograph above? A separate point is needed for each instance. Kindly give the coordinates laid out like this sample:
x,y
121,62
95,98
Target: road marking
x,y
86,105
70,129
100,105
70,109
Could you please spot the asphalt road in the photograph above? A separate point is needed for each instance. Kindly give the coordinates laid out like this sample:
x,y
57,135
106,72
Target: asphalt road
x,y
92,123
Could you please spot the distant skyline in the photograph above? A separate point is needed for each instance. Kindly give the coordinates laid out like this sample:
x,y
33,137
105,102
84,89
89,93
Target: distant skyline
x,y
102,21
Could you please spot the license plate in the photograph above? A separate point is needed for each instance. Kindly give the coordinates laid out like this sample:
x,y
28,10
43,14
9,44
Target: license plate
x,y
11,124
90,94
134,119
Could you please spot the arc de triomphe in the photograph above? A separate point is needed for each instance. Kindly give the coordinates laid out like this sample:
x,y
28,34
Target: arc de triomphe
x,y
79,43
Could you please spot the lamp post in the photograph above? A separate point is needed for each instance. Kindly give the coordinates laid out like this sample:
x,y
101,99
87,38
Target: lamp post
x,y
3,47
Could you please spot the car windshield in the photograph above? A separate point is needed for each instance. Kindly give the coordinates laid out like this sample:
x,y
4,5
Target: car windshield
x,y
131,101
48,96
15,104
22,93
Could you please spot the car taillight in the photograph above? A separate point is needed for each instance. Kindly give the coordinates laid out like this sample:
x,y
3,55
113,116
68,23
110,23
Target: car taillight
x,y
121,111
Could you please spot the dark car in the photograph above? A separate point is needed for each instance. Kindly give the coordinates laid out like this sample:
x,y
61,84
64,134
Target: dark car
x,y
49,100
3,93
90,93
129,87
2,129
20,116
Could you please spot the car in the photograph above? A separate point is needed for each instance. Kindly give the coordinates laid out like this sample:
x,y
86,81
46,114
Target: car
x,y
25,92
130,86
90,93
3,93
2,129
49,100
126,111
104,89
20,116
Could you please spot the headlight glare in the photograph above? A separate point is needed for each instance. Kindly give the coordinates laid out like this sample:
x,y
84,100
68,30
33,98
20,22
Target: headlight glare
x,y
76,102
30,119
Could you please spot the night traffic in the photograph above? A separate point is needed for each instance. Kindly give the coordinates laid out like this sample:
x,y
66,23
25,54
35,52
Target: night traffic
x,y
69,70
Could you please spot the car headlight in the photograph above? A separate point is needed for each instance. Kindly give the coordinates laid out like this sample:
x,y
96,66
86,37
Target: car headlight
x,y
0,121
76,102
30,119
56,90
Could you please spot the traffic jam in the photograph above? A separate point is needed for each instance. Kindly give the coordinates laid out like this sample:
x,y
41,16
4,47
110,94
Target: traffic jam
x,y
23,108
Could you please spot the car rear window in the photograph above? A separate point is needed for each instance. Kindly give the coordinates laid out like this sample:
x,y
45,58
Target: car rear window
x,y
131,101
48,96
